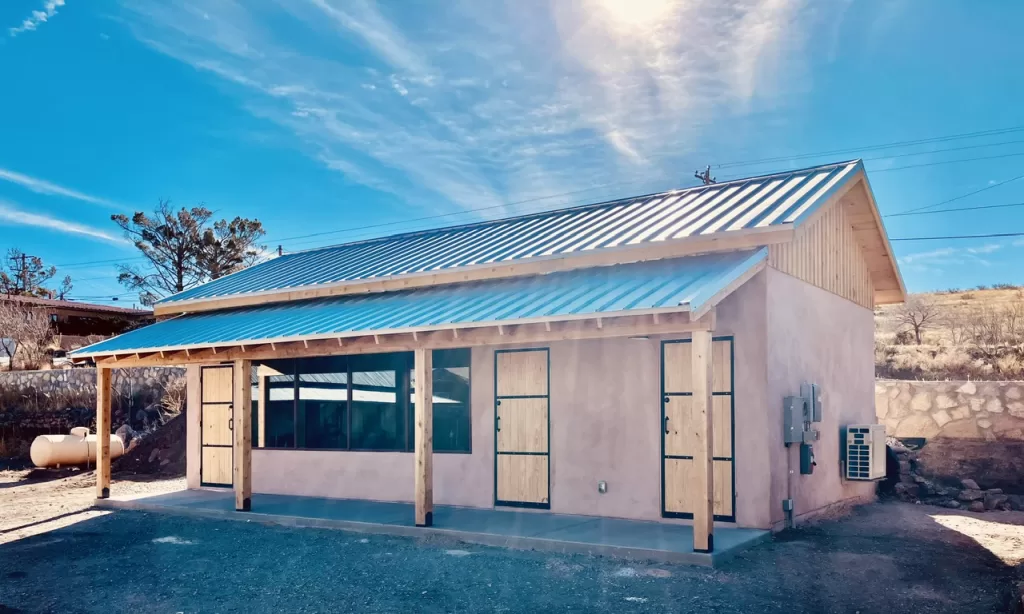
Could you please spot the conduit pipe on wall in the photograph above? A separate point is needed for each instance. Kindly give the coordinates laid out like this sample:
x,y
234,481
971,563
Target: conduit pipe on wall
x,y
77,448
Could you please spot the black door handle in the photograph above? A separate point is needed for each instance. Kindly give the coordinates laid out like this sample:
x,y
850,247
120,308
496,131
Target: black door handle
x,y
666,425
231,424
497,424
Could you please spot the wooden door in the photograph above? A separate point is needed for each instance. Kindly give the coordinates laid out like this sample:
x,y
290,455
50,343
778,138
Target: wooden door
x,y
216,425
679,498
521,414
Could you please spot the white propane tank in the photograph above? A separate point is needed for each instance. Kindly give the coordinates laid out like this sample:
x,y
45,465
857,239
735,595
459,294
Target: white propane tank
x,y
77,448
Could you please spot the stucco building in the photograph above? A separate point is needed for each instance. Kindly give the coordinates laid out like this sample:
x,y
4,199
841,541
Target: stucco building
x,y
626,359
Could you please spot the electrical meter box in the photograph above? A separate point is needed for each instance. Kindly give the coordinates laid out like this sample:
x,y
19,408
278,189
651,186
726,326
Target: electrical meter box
x,y
864,451
793,411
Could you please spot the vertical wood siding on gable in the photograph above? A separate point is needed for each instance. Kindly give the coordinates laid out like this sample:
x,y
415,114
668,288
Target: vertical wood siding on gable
x,y
826,254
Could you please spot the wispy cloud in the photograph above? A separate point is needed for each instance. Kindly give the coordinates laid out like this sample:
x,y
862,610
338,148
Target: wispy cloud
x,y
11,214
952,256
34,20
41,186
476,105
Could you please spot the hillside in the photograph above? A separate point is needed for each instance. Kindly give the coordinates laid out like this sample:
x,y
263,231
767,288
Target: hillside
x,y
964,334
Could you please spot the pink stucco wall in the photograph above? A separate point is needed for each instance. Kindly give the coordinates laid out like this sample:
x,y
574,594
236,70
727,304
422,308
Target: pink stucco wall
x,y
606,417
816,336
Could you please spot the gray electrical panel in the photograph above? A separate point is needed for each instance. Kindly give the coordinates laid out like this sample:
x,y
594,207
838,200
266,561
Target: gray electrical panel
x,y
793,411
812,392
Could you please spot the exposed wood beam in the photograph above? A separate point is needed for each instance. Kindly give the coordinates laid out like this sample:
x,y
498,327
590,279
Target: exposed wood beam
x,y
702,424
242,415
102,432
621,326
732,240
424,437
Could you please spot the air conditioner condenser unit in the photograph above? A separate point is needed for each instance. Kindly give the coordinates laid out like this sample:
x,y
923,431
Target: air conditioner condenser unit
x,y
864,451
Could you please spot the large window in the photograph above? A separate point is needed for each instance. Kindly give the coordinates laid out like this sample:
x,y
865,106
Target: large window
x,y
362,402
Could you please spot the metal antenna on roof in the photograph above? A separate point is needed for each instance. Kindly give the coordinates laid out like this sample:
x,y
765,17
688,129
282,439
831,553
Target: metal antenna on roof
x,y
280,250
705,177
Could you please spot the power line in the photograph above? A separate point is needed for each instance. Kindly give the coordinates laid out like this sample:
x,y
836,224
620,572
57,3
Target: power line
x,y
962,196
900,168
938,139
996,235
952,209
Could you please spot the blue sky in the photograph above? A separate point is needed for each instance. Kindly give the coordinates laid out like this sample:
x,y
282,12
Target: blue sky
x,y
329,116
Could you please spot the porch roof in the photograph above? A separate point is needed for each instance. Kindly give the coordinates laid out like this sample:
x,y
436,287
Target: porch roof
x,y
693,283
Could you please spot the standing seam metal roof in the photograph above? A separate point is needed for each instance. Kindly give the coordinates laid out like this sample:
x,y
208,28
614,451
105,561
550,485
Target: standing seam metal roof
x,y
758,202
663,285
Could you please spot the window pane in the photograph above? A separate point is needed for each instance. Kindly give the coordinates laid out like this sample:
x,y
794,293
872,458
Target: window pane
x,y
451,401
378,422
323,403
280,414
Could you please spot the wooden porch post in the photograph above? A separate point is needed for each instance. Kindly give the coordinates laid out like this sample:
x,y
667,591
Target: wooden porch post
x,y
242,417
424,372
703,463
102,432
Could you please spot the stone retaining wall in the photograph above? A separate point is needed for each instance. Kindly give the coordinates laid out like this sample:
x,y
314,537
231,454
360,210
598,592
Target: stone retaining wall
x,y
38,402
985,411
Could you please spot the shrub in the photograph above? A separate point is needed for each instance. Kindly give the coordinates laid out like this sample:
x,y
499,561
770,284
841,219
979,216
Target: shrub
x,y
966,296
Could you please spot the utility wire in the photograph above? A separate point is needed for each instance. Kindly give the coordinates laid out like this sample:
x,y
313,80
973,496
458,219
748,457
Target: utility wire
x,y
989,187
953,209
951,237
938,139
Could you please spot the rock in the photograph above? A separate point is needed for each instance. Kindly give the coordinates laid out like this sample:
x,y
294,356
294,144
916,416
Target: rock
x,y
126,433
993,491
1016,409
944,401
969,484
976,403
1013,393
961,429
941,417
951,504
971,495
904,466
993,502
976,506
921,402
994,405
917,425
155,454
984,423
961,413
968,388
165,461
1016,502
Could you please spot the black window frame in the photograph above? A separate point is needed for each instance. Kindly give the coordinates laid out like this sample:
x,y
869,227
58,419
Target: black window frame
x,y
403,365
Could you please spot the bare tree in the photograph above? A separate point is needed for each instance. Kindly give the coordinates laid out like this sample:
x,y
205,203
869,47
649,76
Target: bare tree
x,y
26,275
918,313
182,249
24,332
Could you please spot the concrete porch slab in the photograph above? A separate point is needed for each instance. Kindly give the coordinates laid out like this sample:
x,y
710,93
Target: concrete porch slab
x,y
632,539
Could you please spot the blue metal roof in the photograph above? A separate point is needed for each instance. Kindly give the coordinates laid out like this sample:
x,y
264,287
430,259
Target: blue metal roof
x,y
646,287
758,202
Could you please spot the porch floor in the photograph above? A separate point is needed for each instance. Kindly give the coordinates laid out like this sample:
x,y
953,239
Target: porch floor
x,y
493,527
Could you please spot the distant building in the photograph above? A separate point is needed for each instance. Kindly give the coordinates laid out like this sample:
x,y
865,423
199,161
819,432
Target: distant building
x,y
75,323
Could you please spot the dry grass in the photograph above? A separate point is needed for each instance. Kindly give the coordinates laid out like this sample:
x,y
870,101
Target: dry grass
x,y
977,334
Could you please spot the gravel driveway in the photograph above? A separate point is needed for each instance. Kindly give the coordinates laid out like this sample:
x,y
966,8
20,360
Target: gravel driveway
x,y
889,557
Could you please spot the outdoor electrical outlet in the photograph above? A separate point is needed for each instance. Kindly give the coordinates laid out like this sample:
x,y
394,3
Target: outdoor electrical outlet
x,y
602,487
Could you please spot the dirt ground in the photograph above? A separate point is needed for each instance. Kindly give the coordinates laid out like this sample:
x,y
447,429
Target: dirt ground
x,y
34,501
887,557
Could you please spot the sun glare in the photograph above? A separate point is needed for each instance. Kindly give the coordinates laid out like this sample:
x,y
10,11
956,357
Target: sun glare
x,y
636,14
